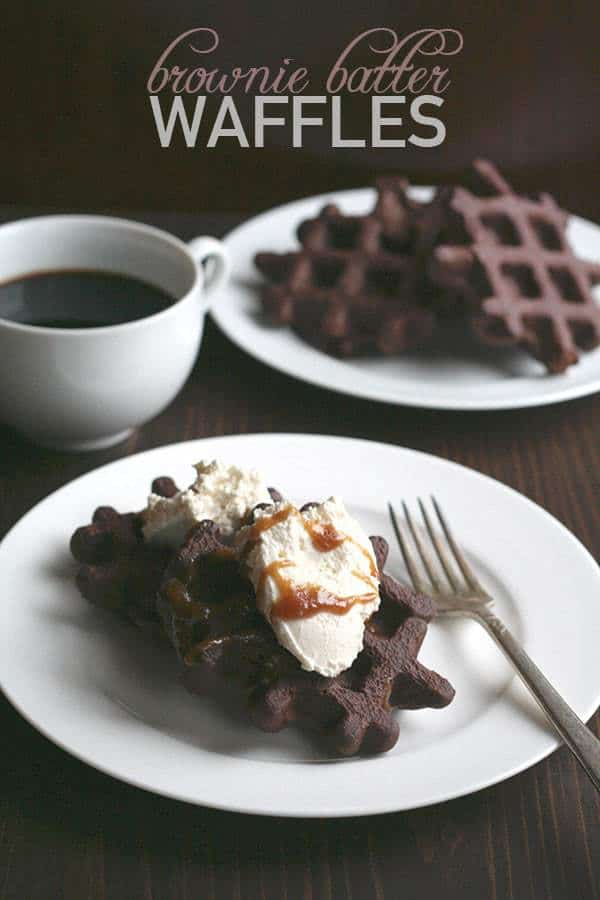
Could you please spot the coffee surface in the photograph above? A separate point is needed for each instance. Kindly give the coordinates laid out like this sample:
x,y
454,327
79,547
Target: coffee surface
x,y
79,298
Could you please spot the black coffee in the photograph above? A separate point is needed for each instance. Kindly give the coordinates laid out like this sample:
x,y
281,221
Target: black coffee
x,y
84,298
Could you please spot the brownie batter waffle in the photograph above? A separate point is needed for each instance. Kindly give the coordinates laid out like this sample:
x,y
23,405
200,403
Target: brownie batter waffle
x,y
225,645
497,262
355,287
117,570
504,259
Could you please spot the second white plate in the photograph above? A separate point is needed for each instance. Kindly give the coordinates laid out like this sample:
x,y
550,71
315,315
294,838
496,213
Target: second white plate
x,y
478,378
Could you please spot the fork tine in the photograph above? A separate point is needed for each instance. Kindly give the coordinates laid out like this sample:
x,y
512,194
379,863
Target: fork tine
x,y
409,562
464,566
423,553
439,549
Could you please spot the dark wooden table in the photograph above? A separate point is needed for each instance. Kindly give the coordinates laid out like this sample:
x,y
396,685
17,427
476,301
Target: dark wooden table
x,y
66,831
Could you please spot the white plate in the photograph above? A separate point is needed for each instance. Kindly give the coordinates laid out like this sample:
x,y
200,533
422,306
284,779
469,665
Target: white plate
x,y
97,689
480,378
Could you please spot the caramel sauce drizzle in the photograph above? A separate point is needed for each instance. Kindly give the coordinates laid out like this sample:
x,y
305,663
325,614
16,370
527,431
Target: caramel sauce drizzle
x,y
297,601
302,601
180,602
323,537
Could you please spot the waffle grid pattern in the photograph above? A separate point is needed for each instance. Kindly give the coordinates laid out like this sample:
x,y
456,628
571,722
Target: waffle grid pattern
x,y
527,285
353,287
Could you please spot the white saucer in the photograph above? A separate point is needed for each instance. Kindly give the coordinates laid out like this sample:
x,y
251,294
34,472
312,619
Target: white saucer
x,y
480,378
97,689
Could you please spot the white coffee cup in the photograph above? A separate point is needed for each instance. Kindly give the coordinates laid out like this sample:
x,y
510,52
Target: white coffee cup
x,y
87,388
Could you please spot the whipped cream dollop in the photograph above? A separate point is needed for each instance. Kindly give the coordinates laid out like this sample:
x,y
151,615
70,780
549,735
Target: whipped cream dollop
x,y
221,492
316,580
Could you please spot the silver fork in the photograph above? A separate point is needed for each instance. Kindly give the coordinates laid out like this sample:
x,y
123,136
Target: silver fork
x,y
466,597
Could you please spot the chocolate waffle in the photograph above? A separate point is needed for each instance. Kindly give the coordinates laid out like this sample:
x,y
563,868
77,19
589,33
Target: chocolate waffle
x,y
117,570
356,286
505,261
225,645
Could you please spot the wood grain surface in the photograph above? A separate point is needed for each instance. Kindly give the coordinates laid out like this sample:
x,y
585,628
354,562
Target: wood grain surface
x,y
67,831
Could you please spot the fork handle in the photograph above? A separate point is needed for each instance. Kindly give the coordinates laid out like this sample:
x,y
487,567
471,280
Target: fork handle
x,y
584,745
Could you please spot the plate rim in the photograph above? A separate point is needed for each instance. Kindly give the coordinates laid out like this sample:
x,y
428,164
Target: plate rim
x,y
561,394
551,742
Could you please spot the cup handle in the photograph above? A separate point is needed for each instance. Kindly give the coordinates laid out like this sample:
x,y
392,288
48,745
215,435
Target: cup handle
x,y
209,248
